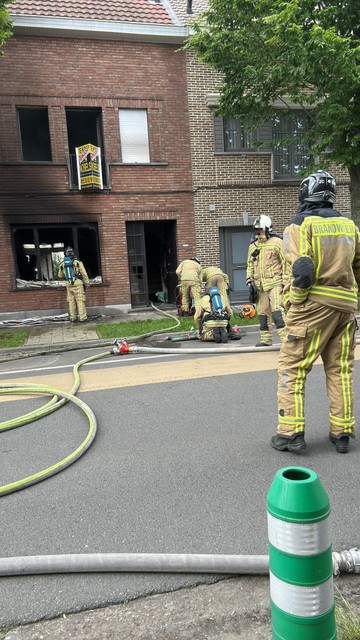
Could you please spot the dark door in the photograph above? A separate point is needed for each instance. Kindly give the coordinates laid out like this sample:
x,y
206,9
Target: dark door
x,y
152,261
137,263
234,249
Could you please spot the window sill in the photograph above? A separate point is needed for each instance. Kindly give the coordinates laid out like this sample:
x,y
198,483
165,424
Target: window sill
x,y
28,285
243,153
138,164
32,163
287,180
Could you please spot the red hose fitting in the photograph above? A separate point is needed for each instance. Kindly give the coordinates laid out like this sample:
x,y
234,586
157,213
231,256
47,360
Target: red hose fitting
x,y
121,347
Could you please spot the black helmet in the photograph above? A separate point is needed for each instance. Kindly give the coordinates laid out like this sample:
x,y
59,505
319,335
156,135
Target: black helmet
x,y
69,252
318,187
196,260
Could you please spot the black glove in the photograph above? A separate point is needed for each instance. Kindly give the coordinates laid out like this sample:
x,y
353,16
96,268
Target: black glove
x,y
253,295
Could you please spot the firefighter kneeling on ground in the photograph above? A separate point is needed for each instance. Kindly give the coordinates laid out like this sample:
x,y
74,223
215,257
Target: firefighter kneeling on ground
x,y
213,323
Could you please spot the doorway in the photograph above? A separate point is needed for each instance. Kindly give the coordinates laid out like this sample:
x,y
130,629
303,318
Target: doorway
x,y
234,245
152,261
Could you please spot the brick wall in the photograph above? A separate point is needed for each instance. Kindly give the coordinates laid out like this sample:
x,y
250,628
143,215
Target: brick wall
x,y
235,183
59,73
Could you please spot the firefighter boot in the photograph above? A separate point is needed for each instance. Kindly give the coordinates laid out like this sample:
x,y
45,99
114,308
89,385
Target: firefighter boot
x,y
282,443
224,335
341,443
217,334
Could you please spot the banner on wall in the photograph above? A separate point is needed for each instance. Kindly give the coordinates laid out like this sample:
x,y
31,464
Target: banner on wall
x,y
88,163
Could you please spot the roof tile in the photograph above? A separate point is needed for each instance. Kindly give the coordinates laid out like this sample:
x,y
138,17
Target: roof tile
x,y
141,11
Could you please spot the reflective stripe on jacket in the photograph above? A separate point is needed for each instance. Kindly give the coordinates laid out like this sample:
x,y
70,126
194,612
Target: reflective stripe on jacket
x,y
189,270
266,265
332,242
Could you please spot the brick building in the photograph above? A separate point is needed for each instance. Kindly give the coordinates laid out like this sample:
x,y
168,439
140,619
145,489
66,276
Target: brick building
x,y
107,74
234,178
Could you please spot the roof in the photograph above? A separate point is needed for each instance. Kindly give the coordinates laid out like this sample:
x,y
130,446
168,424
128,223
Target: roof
x,y
135,11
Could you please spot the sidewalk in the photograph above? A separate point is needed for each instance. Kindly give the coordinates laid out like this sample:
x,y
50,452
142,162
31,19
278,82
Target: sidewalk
x,y
63,335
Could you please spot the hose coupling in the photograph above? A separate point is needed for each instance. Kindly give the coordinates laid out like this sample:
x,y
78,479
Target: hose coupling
x,y
121,347
347,561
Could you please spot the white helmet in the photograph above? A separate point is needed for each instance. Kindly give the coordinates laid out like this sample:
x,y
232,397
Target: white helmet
x,y
263,222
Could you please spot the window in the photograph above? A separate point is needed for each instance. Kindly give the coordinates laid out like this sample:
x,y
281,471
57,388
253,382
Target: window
x,y
286,136
237,137
84,126
39,249
134,135
290,149
35,134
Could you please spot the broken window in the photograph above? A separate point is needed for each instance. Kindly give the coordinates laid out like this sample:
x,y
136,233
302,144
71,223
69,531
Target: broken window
x,y
84,126
39,249
34,133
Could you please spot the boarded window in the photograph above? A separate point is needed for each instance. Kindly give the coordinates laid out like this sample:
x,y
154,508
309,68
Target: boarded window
x,y
134,135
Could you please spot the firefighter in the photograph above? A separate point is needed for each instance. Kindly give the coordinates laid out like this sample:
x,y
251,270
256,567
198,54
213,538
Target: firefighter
x,y
215,277
266,274
73,271
189,274
321,299
210,325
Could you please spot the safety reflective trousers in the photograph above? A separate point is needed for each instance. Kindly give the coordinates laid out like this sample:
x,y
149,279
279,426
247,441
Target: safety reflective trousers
x,y
313,330
76,297
269,308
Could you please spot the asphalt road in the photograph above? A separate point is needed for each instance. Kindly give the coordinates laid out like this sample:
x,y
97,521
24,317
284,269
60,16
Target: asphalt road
x,y
180,464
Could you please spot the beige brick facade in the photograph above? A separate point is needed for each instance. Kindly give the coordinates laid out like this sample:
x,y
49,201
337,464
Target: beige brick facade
x,y
234,186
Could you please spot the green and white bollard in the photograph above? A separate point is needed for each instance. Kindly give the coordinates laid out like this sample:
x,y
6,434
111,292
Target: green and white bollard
x,y
300,557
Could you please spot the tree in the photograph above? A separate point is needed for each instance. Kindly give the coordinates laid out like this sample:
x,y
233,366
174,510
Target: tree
x,y
5,24
301,52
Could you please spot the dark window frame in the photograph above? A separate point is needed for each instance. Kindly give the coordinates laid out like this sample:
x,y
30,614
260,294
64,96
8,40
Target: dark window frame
x,y
96,137
298,154
67,233
35,139
237,137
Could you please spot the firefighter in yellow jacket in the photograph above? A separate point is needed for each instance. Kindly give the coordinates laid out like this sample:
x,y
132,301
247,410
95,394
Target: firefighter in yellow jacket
x,y
73,271
215,277
266,274
189,274
209,325
323,249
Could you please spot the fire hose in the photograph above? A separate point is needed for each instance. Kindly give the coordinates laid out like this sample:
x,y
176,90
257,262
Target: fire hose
x,y
345,561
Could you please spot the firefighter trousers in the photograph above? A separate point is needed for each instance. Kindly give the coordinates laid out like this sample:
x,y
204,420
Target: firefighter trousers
x,y
313,330
190,289
76,297
269,308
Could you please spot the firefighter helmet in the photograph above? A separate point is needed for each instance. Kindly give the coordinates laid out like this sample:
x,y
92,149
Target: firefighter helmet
x,y
263,222
248,311
320,186
69,252
196,260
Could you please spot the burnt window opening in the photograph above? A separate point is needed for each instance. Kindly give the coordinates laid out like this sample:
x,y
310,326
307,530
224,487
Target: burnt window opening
x,y
39,249
34,134
84,126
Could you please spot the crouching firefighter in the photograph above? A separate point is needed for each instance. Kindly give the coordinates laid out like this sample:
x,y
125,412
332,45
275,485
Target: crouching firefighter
x,y
266,276
211,318
74,273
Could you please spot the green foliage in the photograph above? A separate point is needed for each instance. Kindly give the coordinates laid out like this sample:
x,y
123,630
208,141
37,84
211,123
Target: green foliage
x,y
5,24
301,52
12,339
347,620
138,328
